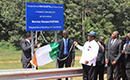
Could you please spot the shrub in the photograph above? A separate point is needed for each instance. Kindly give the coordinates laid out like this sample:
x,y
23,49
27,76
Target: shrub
x,y
7,46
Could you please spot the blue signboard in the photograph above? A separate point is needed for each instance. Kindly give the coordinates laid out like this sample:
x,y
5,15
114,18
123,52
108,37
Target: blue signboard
x,y
44,17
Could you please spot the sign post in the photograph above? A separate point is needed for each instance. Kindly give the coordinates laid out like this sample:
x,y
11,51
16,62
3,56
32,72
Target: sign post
x,y
32,45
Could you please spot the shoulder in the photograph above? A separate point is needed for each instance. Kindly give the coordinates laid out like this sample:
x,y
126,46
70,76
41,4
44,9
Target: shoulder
x,y
59,41
23,41
95,42
119,40
104,45
70,40
86,43
108,39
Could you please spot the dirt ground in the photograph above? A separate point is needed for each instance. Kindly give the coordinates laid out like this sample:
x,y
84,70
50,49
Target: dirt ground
x,y
77,57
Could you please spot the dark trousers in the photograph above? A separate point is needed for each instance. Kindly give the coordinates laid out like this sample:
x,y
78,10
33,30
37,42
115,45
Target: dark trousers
x,y
122,72
99,69
66,62
113,69
88,72
26,65
128,73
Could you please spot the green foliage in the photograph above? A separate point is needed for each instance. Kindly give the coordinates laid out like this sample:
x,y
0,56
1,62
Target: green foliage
x,y
101,16
6,46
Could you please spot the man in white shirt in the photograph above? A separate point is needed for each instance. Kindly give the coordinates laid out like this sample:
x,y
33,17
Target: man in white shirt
x,y
89,55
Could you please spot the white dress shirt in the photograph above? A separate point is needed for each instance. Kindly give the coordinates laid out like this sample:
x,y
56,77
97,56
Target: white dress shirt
x,y
28,41
100,44
89,52
113,41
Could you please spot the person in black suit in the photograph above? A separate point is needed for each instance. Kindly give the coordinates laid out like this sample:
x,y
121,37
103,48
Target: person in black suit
x,y
122,65
65,45
26,49
100,61
112,55
126,51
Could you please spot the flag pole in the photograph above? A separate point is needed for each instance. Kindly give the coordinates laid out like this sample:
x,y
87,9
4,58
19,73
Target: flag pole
x,y
56,58
32,45
36,38
55,41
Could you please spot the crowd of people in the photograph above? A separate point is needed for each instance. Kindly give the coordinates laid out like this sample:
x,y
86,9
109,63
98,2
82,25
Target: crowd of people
x,y
95,55
116,54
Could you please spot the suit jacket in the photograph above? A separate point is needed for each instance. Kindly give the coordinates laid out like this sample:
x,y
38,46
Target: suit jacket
x,y
127,56
101,56
61,49
26,49
113,52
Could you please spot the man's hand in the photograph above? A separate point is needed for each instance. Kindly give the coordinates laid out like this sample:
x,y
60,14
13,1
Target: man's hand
x,y
114,62
72,63
123,52
37,45
75,43
86,62
106,61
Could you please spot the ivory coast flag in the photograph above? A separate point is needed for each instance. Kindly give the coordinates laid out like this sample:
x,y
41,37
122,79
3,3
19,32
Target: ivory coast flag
x,y
45,54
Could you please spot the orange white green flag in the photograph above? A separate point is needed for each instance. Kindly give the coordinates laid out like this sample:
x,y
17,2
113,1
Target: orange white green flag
x,y
45,54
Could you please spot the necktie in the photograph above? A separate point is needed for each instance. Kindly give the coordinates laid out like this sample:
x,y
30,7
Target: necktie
x,y
102,48
66,50
112,41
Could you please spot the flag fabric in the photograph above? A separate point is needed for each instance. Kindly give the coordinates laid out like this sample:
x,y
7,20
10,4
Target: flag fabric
x,y
45,54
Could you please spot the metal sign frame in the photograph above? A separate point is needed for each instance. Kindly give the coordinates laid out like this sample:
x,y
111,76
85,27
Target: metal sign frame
x,y
44,17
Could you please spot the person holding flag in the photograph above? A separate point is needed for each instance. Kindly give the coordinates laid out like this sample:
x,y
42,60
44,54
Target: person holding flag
x,y
89,55
45,54
26,49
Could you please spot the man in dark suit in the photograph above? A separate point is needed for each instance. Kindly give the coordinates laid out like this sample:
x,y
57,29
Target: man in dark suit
x,y
112,54
100,61
126,51
26,49
122,65
65,45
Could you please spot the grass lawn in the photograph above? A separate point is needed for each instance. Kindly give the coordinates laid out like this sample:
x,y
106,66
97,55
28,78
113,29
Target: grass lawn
x,y
12,60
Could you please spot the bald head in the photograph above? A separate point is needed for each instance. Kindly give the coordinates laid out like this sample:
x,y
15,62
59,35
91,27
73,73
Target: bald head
x,y
65,34
114,34
65,31
101,39
128,36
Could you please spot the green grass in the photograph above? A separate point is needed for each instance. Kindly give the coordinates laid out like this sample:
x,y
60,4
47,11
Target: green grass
x,y
47,66
10,65
78,52
12,60
10,55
